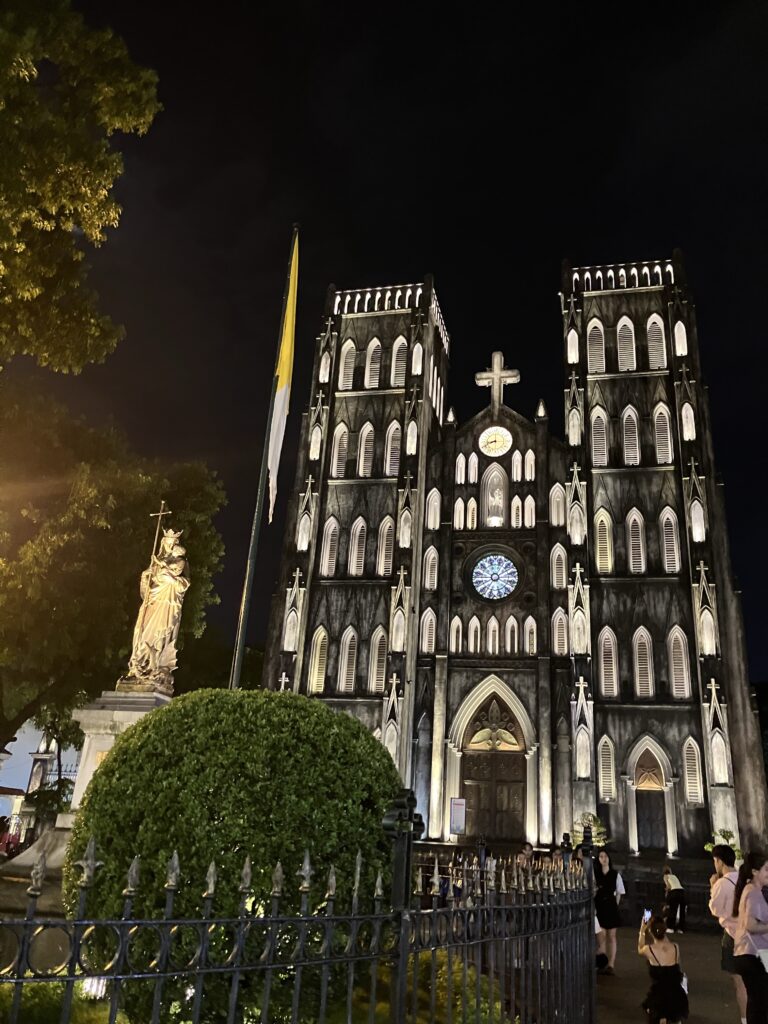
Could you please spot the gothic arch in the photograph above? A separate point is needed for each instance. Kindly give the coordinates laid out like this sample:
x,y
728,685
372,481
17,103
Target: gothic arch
x,y
643,743
493,495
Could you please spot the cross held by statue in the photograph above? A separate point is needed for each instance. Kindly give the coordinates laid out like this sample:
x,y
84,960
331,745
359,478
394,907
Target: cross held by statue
x,y
497,378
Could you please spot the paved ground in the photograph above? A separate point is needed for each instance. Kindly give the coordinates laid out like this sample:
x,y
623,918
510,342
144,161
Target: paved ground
x,y
710,991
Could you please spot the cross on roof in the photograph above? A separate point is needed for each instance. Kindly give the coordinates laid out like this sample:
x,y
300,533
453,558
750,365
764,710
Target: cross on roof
x,y
497,378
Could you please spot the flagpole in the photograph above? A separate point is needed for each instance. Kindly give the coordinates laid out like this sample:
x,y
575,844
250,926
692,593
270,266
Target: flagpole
x,y
250,567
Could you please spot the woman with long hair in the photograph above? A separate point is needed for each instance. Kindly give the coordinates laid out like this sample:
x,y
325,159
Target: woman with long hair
x,y
667,1000
752,934
609,889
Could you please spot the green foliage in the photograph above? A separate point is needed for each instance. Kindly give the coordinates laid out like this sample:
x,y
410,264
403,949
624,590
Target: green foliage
x,y
724,837
75,534
599,831
41,1004
65,89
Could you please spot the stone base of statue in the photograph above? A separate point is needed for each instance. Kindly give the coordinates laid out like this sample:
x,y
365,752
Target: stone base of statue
x,y
160,681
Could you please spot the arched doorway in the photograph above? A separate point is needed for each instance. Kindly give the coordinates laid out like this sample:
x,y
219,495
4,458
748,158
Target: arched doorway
x,y
494,774
651,817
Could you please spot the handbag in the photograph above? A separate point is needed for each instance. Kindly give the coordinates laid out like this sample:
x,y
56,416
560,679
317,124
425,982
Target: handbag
x,y
684,983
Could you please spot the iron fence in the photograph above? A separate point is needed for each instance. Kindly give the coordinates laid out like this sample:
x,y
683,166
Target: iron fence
x,y
496,944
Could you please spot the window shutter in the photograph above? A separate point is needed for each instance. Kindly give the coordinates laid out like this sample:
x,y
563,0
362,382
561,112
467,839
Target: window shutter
x,y
365,459
347,368
330,548
340,443
631,440
471,514
663,437
318,662
558,569
386,545
348,665
378,662
602,546
428,632
644,678
671,558
357,549
599,440
373,366
636,560
607,771
393,450
430,570
678,667
561,643
608,666
399,361
626,342
657,356
517,513
595,350
692,772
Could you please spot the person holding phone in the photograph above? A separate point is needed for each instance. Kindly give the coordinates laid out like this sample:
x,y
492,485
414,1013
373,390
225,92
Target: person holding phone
x,y
751,941
667,999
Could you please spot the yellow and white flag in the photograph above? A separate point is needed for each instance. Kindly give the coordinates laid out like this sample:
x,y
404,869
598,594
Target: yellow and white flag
x,y
283,373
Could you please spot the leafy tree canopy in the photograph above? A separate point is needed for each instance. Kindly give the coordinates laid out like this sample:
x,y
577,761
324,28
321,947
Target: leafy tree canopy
x,y
65,90
75,534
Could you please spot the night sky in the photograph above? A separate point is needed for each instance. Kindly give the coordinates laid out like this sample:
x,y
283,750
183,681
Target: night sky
x,y
484,147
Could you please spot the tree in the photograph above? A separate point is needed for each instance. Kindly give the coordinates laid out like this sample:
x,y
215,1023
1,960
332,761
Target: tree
x,y
65,90
75,534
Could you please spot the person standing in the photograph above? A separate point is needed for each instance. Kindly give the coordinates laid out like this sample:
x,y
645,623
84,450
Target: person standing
x,y
667,1000
722,889
609,888
675,897
752,934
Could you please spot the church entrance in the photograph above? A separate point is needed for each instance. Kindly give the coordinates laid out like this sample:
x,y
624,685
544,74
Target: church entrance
x,y
651,817
493,775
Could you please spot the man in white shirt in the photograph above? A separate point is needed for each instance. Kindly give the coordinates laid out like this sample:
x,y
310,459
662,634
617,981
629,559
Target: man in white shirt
x,y
722,887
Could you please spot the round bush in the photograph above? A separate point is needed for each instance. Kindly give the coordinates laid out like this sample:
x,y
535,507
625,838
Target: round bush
x,y
220,774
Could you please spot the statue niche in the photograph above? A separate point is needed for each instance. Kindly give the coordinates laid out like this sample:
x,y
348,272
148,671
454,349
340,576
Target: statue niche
x,y
493,496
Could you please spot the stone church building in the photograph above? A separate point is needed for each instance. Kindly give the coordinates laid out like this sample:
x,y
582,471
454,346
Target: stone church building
x,y
540,626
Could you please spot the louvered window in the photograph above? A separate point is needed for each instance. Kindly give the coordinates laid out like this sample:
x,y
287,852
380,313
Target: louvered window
x,y
458,514
473,635
669,539
471,514
607,769
316,439
626,345
530,636
433,510
517,512
663,431
681,339
290,632
698,525
455,637
378,661
631,438
330,548
399,362
689,422
347,661
643,664
595,349
557,505
635,543
517,467
305,526
492,634
599,438
657,352
559,633
405,528
472,467
558,568
529,512
357,538
398,631
317,661
461,468
385,549
573,346
574,428
392,458
373,364
365,451
428,625
510,635
609,663
692,768
430,569
347,366
603,542
339,453
678,663
530,465
412,439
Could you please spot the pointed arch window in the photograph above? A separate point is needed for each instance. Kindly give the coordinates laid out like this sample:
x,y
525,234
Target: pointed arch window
x,y
576,525
510,635
558,568
529,512
662,428
417,359
471,514
609,662
347,661
679,666
339,451
719,759
517,466
492,636
657,349
430,569
574,428
631,436
642,649
573,346
458,514
493,495
305,527
315,441
472,468
708,638
325,368
635,542
606,760
392,456
582,754
455,637
681,339
625,339
330,548
670,542
559,633
692,768
398,630
385,547
579,638
595,347
365,443
433,509
412,438
603,541
557,505
357,537
461,468
373,363
599,438
517,512
291,631
405,528
529,631
689,422
473,635
399,362
427,632
377,661
347,365
698,522
318,660
530,465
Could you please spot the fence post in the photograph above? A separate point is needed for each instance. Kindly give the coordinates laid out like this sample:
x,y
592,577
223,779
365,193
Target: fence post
x,y
402,824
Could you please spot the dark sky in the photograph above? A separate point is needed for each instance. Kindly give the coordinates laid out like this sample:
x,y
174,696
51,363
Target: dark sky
x,y
483,144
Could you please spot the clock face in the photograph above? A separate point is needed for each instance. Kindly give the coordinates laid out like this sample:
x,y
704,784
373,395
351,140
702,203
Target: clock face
x,y
495,577
495,441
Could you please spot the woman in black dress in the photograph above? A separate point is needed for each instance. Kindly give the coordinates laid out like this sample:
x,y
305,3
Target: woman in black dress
x,y
608,892
667,1000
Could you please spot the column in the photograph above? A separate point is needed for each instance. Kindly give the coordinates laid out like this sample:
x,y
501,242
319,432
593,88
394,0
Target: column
x,y
438,744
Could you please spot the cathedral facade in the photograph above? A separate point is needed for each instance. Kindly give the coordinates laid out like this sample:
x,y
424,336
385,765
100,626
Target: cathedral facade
x,y
538,626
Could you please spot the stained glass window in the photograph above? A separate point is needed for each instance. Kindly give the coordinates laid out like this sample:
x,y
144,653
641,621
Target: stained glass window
x,y
494,577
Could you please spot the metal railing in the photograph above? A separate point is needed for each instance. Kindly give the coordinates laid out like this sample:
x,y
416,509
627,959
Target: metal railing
x,y
498,945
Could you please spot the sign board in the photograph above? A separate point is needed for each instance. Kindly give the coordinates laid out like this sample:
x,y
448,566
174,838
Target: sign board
x,y
458,816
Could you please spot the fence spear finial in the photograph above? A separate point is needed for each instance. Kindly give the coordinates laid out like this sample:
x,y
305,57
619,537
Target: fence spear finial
x,y
435,891
358,870
246,875
37,876
331,891
88,864
277,880
305,873
173,872
378,891
210,879
132,881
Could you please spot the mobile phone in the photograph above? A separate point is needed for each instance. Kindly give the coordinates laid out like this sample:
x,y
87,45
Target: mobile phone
x,y
646,916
